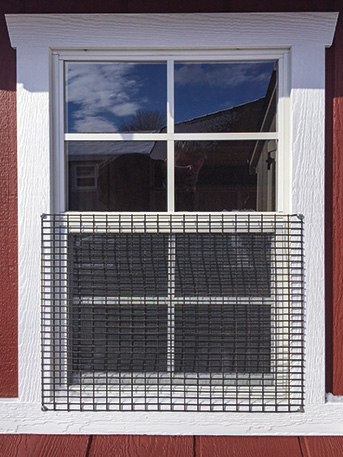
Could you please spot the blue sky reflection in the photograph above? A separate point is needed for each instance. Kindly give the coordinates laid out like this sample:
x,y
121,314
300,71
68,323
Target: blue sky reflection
x,y
100,97
204,88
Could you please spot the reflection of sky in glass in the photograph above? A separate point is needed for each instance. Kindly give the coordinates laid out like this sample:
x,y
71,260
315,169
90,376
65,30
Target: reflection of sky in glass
x,y
103,97
132,96
204,88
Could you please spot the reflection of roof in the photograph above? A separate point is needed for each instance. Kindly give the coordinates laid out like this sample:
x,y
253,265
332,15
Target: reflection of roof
x,y
242,118
102,150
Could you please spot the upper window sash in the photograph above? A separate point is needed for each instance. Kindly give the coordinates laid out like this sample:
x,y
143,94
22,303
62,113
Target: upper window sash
x,y
197,59
174,62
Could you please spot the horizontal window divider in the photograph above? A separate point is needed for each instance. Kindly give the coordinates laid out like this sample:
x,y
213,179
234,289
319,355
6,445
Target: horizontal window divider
x,y
204,215
171,136
76,222
178,299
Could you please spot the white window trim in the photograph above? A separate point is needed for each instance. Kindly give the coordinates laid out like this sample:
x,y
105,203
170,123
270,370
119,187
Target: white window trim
x,y
306,35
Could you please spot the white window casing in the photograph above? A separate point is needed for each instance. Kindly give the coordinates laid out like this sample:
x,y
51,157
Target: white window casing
x,y
298,41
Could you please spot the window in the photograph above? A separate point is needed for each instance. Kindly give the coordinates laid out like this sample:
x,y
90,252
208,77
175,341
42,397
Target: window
x,y
171,300
288,142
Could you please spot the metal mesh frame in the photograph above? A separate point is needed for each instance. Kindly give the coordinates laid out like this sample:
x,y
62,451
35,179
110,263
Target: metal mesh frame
x,y
163,312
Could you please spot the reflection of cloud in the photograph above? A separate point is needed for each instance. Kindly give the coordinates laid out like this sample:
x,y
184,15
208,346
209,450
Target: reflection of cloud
x,y
100,90
221,74
125,109
94,124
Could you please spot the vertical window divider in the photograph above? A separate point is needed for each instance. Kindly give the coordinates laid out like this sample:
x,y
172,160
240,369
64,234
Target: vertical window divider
x,y
60,202
171,209
170,131
171,298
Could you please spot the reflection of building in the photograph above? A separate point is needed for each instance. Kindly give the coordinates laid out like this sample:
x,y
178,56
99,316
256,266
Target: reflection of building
x,y
209,176
101,158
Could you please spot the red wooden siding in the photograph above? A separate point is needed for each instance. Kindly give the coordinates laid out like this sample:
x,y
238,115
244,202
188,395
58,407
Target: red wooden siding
x,y
141,446
167,446
337,223
43,446
321,446
8,219
247,446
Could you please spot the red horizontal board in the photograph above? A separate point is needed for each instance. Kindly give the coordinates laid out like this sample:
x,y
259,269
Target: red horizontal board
x,y
43,446
141,446
247,446
188,6
322,446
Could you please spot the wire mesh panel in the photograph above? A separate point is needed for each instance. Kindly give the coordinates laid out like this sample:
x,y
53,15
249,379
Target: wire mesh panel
x,y
172,312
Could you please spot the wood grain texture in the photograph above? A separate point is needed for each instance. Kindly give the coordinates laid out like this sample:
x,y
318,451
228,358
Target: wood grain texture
x,y
43,446
320,446
247,446
307,192
337,237
8,220
141,446
33,160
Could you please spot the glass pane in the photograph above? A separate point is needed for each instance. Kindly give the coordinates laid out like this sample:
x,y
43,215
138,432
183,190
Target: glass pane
x,y
125,176
115,97
225,264
112,337
223,338
125,265
225,96
225,175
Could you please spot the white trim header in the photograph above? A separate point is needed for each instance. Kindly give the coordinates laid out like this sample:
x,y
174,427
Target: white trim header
x,y
227,30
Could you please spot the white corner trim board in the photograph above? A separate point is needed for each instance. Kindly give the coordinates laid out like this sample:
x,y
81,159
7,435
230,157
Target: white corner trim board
x,y
303,36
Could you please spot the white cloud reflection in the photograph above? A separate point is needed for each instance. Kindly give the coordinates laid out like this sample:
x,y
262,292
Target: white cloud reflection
x,y
101,91
221,74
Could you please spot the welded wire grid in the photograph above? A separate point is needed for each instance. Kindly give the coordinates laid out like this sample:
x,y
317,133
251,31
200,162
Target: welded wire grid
x,y
176,312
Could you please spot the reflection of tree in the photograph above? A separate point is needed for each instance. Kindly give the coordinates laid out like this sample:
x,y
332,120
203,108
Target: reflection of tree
x,y
144,120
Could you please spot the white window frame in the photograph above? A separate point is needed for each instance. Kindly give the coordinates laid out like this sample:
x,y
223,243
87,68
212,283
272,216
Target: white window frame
x,y
170,57
305,35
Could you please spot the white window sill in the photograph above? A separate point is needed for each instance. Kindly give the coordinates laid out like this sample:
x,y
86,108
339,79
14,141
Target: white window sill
x,y
325,419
